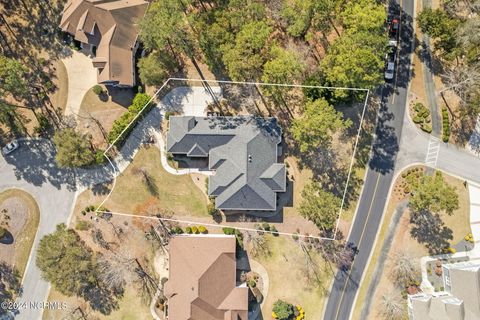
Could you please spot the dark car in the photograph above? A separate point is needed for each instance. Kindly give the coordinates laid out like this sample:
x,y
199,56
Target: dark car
x,y
394,28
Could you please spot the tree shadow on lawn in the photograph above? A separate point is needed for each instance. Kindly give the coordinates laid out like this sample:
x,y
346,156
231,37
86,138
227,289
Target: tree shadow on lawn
x,y
429,230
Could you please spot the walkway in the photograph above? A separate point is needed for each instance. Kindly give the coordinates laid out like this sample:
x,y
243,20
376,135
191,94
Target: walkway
x,y
82,76
474,254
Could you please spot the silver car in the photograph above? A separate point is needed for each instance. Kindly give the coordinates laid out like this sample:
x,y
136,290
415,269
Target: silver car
x,y
10,147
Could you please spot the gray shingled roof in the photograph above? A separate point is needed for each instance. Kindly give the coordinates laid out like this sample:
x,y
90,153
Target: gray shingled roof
x,y
242,151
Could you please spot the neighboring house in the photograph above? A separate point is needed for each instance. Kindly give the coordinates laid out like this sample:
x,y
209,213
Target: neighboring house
x,y
243,152
460,299
109,29
202,281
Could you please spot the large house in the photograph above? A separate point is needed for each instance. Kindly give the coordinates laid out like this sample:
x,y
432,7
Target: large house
x,y
109,28
243,151
460,299
202,281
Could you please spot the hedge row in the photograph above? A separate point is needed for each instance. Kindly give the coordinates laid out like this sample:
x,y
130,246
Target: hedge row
x,y
446,125
140,100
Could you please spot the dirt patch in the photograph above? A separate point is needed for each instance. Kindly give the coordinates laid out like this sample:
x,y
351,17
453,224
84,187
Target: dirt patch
x,y
19,214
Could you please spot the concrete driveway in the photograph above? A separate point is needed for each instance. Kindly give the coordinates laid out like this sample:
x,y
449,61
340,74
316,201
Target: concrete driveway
x,y
81,77
190,101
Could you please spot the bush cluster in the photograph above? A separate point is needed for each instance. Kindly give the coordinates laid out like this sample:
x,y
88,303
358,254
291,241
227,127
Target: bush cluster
x,y
3,232
140,100
446,125
238,235
196,230
422,117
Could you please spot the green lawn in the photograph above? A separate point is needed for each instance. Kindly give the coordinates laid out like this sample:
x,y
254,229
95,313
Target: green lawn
x,y
176,193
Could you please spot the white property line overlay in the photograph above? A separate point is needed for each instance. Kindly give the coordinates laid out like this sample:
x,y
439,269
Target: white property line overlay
x,y
244,83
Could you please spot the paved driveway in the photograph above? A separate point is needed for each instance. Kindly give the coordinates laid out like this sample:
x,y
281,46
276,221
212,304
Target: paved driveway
x,y
81,77
191,101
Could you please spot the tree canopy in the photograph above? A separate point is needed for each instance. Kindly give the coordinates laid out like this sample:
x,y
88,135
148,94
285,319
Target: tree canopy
x,y
320,206
245,59
67,262
73,149
317,124
432,193
439,25
13,78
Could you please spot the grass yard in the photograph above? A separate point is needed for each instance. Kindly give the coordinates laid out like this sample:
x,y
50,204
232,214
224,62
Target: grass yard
x,y
105,109
171,192
287,281
459,222
24,216
131,307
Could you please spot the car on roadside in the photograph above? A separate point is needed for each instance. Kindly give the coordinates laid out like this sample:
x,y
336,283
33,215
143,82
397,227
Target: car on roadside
x,y
394,28
390,58
10,147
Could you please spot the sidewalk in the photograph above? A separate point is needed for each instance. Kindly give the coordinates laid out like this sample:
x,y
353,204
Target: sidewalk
x,y
474,254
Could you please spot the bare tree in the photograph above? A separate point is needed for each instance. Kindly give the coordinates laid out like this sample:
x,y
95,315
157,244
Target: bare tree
x,y
393,308
404,269
120,268
258,244
463,80
310,267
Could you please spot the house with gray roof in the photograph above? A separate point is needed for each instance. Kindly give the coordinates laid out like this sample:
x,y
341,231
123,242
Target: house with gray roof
x,y
243,151
460,299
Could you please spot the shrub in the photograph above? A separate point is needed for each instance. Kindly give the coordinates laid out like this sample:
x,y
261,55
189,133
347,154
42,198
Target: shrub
x,y
251,283
265,226
195,229
202,229
97,90
228,231
417,119
426,127
177,230
295,236
141,100
168,114
188,230
84,212
211,209
83,225
99,158
274,231
3,232
283,310
92,207
446,125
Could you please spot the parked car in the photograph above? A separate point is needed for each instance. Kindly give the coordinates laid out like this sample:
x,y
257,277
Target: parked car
x,y
10,147
389,70
394,28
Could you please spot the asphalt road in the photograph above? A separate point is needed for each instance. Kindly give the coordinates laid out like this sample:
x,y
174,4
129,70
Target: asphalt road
x,y
379,175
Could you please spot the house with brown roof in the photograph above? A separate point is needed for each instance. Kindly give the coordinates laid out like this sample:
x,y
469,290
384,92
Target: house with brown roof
x,y
109,28
459,299
202,282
